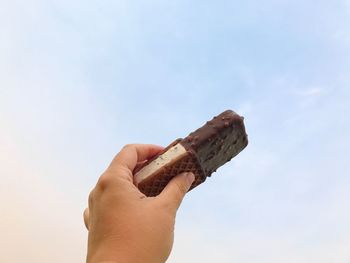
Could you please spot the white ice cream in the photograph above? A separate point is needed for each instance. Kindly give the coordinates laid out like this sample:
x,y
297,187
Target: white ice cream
x,y
173,153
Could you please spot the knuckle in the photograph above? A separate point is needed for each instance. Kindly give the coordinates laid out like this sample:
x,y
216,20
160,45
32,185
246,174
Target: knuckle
x,y
91,198
125,173
103,182
181,189
86,213
128,146
86,218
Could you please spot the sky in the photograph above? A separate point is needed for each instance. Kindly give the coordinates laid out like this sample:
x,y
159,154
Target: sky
x,y
79,79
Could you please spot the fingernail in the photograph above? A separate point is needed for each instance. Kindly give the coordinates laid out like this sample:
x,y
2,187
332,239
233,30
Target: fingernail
x,y
190,178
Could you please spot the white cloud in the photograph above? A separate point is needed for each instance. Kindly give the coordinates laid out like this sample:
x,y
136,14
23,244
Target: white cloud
x,y
313,91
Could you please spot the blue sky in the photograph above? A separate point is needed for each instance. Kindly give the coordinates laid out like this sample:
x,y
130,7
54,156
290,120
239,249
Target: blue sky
x,y
81,79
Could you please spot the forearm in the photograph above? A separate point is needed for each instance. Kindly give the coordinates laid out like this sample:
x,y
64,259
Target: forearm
x,y
115,254
107,253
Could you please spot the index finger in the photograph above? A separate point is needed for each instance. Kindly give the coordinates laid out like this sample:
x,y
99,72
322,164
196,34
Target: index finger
x,y
131,154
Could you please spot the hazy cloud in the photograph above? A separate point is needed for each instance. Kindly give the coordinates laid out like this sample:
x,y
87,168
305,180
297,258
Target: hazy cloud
x,y
79,80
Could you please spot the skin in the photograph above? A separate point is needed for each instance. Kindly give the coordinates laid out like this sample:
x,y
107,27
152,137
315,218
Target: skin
x,y
124,225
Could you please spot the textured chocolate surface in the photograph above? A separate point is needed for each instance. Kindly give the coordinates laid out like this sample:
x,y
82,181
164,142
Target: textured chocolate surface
x,y
218,141
205,150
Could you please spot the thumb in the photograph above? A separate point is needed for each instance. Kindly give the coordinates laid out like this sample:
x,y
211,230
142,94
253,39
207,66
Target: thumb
x,y
176,189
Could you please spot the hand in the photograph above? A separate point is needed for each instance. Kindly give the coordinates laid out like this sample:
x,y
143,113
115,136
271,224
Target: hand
x,y
124,225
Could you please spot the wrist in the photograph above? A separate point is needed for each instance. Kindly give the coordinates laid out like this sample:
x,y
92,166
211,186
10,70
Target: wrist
x,y
113,255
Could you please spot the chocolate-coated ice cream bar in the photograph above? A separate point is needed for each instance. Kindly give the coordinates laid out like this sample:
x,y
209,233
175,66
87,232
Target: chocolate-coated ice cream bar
x,y
201,152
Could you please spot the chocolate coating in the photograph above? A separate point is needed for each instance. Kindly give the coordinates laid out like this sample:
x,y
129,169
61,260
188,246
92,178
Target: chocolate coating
x,y
218,141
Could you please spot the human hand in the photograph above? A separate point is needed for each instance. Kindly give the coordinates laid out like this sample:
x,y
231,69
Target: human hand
x,y
124,225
